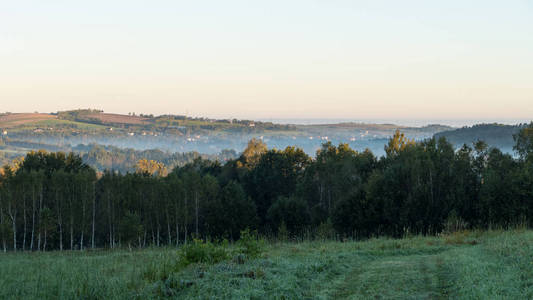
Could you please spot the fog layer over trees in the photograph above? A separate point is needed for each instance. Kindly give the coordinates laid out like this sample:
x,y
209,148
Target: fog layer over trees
x,y
54,200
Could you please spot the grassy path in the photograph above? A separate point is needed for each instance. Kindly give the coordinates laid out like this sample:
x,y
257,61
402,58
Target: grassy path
x,y
473,266
407,277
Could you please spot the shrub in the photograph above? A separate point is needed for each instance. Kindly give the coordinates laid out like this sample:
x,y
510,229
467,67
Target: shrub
x,y
250,244
203,252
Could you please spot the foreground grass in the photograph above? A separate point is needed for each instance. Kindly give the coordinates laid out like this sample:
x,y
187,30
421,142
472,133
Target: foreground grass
x,y
466,265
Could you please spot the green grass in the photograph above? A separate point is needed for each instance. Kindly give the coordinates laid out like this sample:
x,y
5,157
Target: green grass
x,y
464,265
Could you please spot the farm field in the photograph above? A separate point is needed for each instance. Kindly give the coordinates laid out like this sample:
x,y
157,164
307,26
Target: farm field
x,y
466,265
12,120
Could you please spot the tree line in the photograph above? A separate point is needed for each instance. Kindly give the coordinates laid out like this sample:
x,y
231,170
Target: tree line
x,y
55,201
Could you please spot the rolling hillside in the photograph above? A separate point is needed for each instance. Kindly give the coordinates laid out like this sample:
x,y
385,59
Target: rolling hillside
x,y
495,135
20,119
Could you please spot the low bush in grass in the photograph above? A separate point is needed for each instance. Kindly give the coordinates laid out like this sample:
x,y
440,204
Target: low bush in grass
x,y
203,252
196,252
250,244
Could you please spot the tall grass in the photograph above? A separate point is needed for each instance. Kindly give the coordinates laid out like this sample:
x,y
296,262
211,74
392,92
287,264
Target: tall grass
x,y
462,264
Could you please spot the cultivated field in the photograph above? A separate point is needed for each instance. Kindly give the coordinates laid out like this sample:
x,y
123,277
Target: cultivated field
x,y
38,119
12,120
466,265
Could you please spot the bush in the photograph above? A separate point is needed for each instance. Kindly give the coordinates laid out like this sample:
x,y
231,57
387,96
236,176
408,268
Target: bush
x,y
203,252
196,252
250,244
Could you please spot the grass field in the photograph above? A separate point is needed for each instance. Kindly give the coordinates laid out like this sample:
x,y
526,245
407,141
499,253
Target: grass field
x,y
119,119
56,124
465,265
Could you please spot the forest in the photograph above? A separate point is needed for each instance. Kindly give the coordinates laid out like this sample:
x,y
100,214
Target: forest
x,y
55,201
103,158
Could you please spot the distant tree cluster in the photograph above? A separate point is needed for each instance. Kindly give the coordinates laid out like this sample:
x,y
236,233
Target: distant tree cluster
x,y
126,160
56,201
77,115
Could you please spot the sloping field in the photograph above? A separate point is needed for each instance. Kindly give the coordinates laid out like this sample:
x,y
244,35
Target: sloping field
x,y
118,119
464,265
13,120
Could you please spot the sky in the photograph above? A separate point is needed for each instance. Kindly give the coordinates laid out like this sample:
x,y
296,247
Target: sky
x,y
270,59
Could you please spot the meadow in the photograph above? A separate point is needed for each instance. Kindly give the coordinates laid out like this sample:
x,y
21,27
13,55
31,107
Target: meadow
x,y
466,265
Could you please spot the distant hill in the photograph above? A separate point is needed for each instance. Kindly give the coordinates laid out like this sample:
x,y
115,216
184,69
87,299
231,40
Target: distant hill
x,y
12,120
495,135
106,118
178,133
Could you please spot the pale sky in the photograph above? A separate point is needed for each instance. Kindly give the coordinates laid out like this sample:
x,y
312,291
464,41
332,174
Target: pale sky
x,y
270,59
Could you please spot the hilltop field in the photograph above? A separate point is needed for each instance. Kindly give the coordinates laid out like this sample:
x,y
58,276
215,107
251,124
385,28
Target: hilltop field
x,y
95,120
87,132
72,130
466,265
